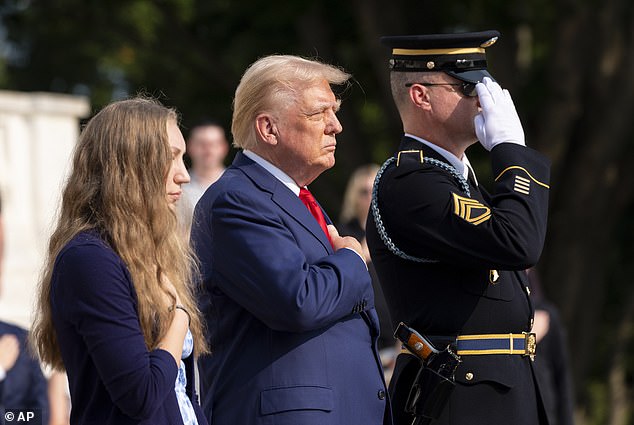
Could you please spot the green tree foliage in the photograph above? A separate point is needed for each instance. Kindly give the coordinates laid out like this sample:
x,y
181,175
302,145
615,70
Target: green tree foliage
x,y
567,62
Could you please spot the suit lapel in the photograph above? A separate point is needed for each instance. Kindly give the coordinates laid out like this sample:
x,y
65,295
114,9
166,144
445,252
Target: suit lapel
x,y
294,207
283,197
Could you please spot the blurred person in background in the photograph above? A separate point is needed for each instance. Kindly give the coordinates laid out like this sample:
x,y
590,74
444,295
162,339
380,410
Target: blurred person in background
x,y
352,220
207,148
552,368
115,306
22,384
356,203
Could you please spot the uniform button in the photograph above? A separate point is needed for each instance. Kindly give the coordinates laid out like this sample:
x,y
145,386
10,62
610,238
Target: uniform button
x,y
469,376
494,276
381,394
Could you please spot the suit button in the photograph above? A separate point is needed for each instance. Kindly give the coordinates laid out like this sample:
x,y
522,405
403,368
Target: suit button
x,y
381,394
469,376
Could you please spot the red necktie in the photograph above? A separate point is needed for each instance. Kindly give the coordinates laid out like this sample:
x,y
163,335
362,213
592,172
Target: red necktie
x,y
309,200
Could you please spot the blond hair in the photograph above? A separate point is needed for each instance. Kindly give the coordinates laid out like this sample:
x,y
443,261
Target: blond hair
x,y
350,207
273,82
117,187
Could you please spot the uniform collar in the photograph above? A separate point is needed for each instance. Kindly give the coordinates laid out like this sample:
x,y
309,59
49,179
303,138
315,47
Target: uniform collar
x,y
461,165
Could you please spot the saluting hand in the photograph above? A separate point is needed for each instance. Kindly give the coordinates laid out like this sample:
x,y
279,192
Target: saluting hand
x,y
498,122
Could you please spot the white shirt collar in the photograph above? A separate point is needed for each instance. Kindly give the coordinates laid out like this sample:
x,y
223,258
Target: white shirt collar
x,y
467,168
461,165
276,172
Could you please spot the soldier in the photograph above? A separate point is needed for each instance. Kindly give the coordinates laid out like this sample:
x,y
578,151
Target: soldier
x,y
449,255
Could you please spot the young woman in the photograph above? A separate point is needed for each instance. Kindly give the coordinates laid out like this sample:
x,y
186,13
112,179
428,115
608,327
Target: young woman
x,y
116,309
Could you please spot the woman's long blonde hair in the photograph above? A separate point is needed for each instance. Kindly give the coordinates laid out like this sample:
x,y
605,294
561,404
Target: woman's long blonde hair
x,y
350,207
117,187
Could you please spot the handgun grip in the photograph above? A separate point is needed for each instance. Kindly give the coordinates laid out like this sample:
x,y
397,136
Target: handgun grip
x,y
414,342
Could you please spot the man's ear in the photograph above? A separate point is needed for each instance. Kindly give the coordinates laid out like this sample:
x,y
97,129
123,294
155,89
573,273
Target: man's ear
x,y
266,129
419,95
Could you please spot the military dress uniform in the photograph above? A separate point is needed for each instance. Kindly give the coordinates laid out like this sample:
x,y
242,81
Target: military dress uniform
x,y
451,260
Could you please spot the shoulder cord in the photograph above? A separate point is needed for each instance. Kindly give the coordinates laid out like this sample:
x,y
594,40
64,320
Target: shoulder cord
x,y
374,206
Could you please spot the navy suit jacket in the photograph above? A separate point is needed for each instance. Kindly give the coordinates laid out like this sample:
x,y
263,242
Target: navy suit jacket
x,y
24,387
292,324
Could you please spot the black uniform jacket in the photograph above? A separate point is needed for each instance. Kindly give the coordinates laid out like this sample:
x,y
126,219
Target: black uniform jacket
x,y
481,244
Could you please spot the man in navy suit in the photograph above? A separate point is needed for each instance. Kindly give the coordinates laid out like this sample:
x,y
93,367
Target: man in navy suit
x,y
288,302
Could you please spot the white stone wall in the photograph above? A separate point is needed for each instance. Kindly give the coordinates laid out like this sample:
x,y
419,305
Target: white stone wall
x,y
37,134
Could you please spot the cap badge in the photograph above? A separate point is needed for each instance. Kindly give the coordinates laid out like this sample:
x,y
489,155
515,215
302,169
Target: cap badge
x,y
430,65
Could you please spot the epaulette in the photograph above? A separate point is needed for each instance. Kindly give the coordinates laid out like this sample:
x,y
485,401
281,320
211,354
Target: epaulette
x,y
415,155
414,160
409,161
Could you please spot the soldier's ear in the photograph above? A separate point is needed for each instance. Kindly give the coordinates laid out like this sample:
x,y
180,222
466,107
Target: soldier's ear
x,y
266,129
419,95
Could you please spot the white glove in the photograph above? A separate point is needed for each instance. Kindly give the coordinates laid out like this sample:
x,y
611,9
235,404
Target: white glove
x,y
498,122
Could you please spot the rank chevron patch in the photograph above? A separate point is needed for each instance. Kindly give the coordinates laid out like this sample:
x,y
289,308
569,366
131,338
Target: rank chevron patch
x,y
470,210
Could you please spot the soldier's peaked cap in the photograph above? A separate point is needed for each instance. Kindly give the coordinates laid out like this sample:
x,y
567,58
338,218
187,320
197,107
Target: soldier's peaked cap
x,y
459,55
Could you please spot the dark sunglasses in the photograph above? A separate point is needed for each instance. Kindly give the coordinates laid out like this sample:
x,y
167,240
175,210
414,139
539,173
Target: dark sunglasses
x,y
468,89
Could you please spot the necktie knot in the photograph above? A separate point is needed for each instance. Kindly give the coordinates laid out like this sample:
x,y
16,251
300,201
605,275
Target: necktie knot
x,y
306,197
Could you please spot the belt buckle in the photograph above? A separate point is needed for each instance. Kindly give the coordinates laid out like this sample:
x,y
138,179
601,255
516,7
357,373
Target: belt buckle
x,y
530,344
